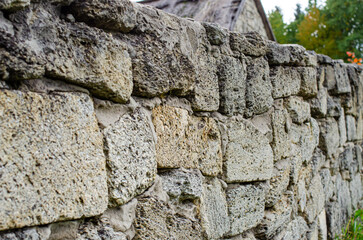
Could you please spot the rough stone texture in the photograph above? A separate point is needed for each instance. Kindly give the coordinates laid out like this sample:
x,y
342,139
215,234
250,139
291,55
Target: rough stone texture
x,y
130,153
248,156
213,209
289,54
183,184
12,5
351,128
309,87
318,105
232,75
155,220
322,230
346,161
259,88
250,44
298,109
356,191
116,15
187,141
93,228
281,144
278,182
315,199
275,219
246,205
342,79
216,35
327,184
296,229
342,128
73,52
285,81
329,136
52,158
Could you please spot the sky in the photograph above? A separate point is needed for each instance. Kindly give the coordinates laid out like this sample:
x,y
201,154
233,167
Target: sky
x,y
287,6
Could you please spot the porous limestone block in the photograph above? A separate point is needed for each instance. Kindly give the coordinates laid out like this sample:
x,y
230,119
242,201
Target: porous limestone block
x,y
285,81
327,182
356,191
155,220
315,199
182,184
296,229
51,151
115,15
309,85
341,78
330,81
259,88
281,144
343,196
289,54
248,156
251,44
246,204
278,182
342,128
346,160
12,5
318,105
333,108
317,161
131,156
121,218
335,219
275,219
351,128
74,52
213,209
93,228
216,35
232,75
187,141
322,226
329,136
298,109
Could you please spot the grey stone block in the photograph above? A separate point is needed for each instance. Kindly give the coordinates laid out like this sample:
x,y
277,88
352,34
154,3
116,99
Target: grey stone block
x,y
51,151
286,81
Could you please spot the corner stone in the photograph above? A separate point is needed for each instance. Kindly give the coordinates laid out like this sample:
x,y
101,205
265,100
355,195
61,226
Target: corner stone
x,y
52,153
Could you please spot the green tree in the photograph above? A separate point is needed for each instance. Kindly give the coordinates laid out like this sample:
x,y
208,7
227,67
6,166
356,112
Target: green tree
x,y
277,23
292,28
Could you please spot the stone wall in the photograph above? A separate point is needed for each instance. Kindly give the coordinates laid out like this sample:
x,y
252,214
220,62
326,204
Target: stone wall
x,y
120,121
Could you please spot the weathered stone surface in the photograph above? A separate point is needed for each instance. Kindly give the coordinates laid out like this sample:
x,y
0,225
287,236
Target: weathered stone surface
x,y
324,59
278,182
131,159
346,160
342,79
121,218
246,205
328,185
343,197
259,88
12,5
351,128
248,156
32,233
251,44
232,75
330,81
155,220
335,219
52,157
322,227
275,219
281,144
213,209
170,55
342,128
356,191
298,109
290,54
296,229
318,105
183,184
333,107
309,86
69,51
187,141
116,15
285,81
329,135
315,199
215,34
317,161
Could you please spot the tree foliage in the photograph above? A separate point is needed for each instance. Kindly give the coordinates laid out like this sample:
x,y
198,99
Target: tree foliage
x,y
332,28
